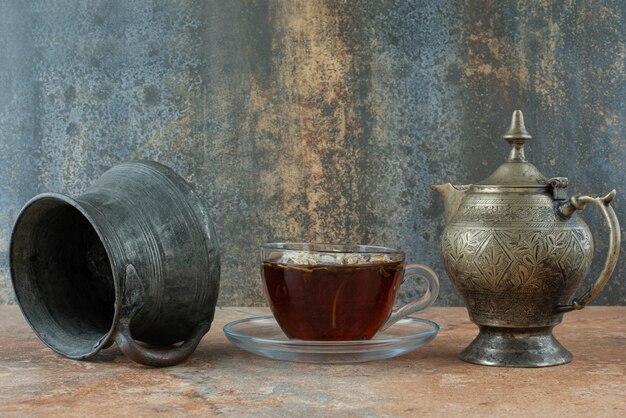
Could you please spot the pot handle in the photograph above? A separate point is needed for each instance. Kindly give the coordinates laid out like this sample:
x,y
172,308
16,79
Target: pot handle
x,y
157,357
577,203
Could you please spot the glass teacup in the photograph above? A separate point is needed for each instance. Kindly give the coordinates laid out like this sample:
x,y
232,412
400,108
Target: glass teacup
x,y
338,292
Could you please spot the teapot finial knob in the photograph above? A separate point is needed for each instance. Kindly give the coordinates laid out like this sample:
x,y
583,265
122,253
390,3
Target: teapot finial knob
x,y
517,135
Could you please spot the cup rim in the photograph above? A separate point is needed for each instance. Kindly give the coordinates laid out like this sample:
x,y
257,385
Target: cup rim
x,y
28,311
330,248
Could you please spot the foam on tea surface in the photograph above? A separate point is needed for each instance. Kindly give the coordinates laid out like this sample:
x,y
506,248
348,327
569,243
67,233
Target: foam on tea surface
x,y
340,259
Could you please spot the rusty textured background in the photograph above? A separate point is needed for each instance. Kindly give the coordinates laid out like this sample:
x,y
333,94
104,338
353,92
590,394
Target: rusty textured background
x,y
311,120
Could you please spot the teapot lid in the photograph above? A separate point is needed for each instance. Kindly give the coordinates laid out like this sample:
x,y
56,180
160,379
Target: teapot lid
x,y
516,172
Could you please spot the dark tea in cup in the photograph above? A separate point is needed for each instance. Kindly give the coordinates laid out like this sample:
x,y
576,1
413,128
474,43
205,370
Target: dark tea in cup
x,y
336,292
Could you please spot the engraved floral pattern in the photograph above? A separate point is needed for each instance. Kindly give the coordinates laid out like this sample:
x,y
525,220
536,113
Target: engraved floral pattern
x,y
493,213
492,260
531,253
512,274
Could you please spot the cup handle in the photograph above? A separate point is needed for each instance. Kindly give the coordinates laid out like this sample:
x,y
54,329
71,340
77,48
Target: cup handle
x,y
424,273
602,203
157,357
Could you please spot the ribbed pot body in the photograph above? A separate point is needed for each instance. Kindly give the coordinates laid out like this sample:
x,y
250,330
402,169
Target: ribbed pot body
x,y
69,257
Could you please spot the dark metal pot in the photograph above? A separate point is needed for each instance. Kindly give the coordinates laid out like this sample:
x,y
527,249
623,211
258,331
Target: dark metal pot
x,y
134,258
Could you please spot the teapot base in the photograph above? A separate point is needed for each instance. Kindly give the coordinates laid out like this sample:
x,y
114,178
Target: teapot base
x,y
516,347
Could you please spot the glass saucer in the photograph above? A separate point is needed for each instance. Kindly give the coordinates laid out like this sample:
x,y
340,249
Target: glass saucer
x,y
263,336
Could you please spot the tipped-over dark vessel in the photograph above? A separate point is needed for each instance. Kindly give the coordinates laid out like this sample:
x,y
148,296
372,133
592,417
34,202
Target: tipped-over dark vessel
x,y
133,260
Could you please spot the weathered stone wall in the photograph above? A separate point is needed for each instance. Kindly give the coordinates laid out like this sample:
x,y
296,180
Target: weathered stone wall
x,y
311,120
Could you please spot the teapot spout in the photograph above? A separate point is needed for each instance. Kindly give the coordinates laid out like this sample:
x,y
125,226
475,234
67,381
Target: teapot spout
x,y
452,198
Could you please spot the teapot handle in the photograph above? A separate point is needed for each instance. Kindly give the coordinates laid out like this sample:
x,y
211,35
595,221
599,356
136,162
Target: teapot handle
x,y
577,203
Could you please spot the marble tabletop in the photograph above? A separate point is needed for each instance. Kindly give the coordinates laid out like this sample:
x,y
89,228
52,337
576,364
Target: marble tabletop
x,y
222,379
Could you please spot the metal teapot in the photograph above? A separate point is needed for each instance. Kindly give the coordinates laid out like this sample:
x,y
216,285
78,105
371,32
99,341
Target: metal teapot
x,y
516,250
